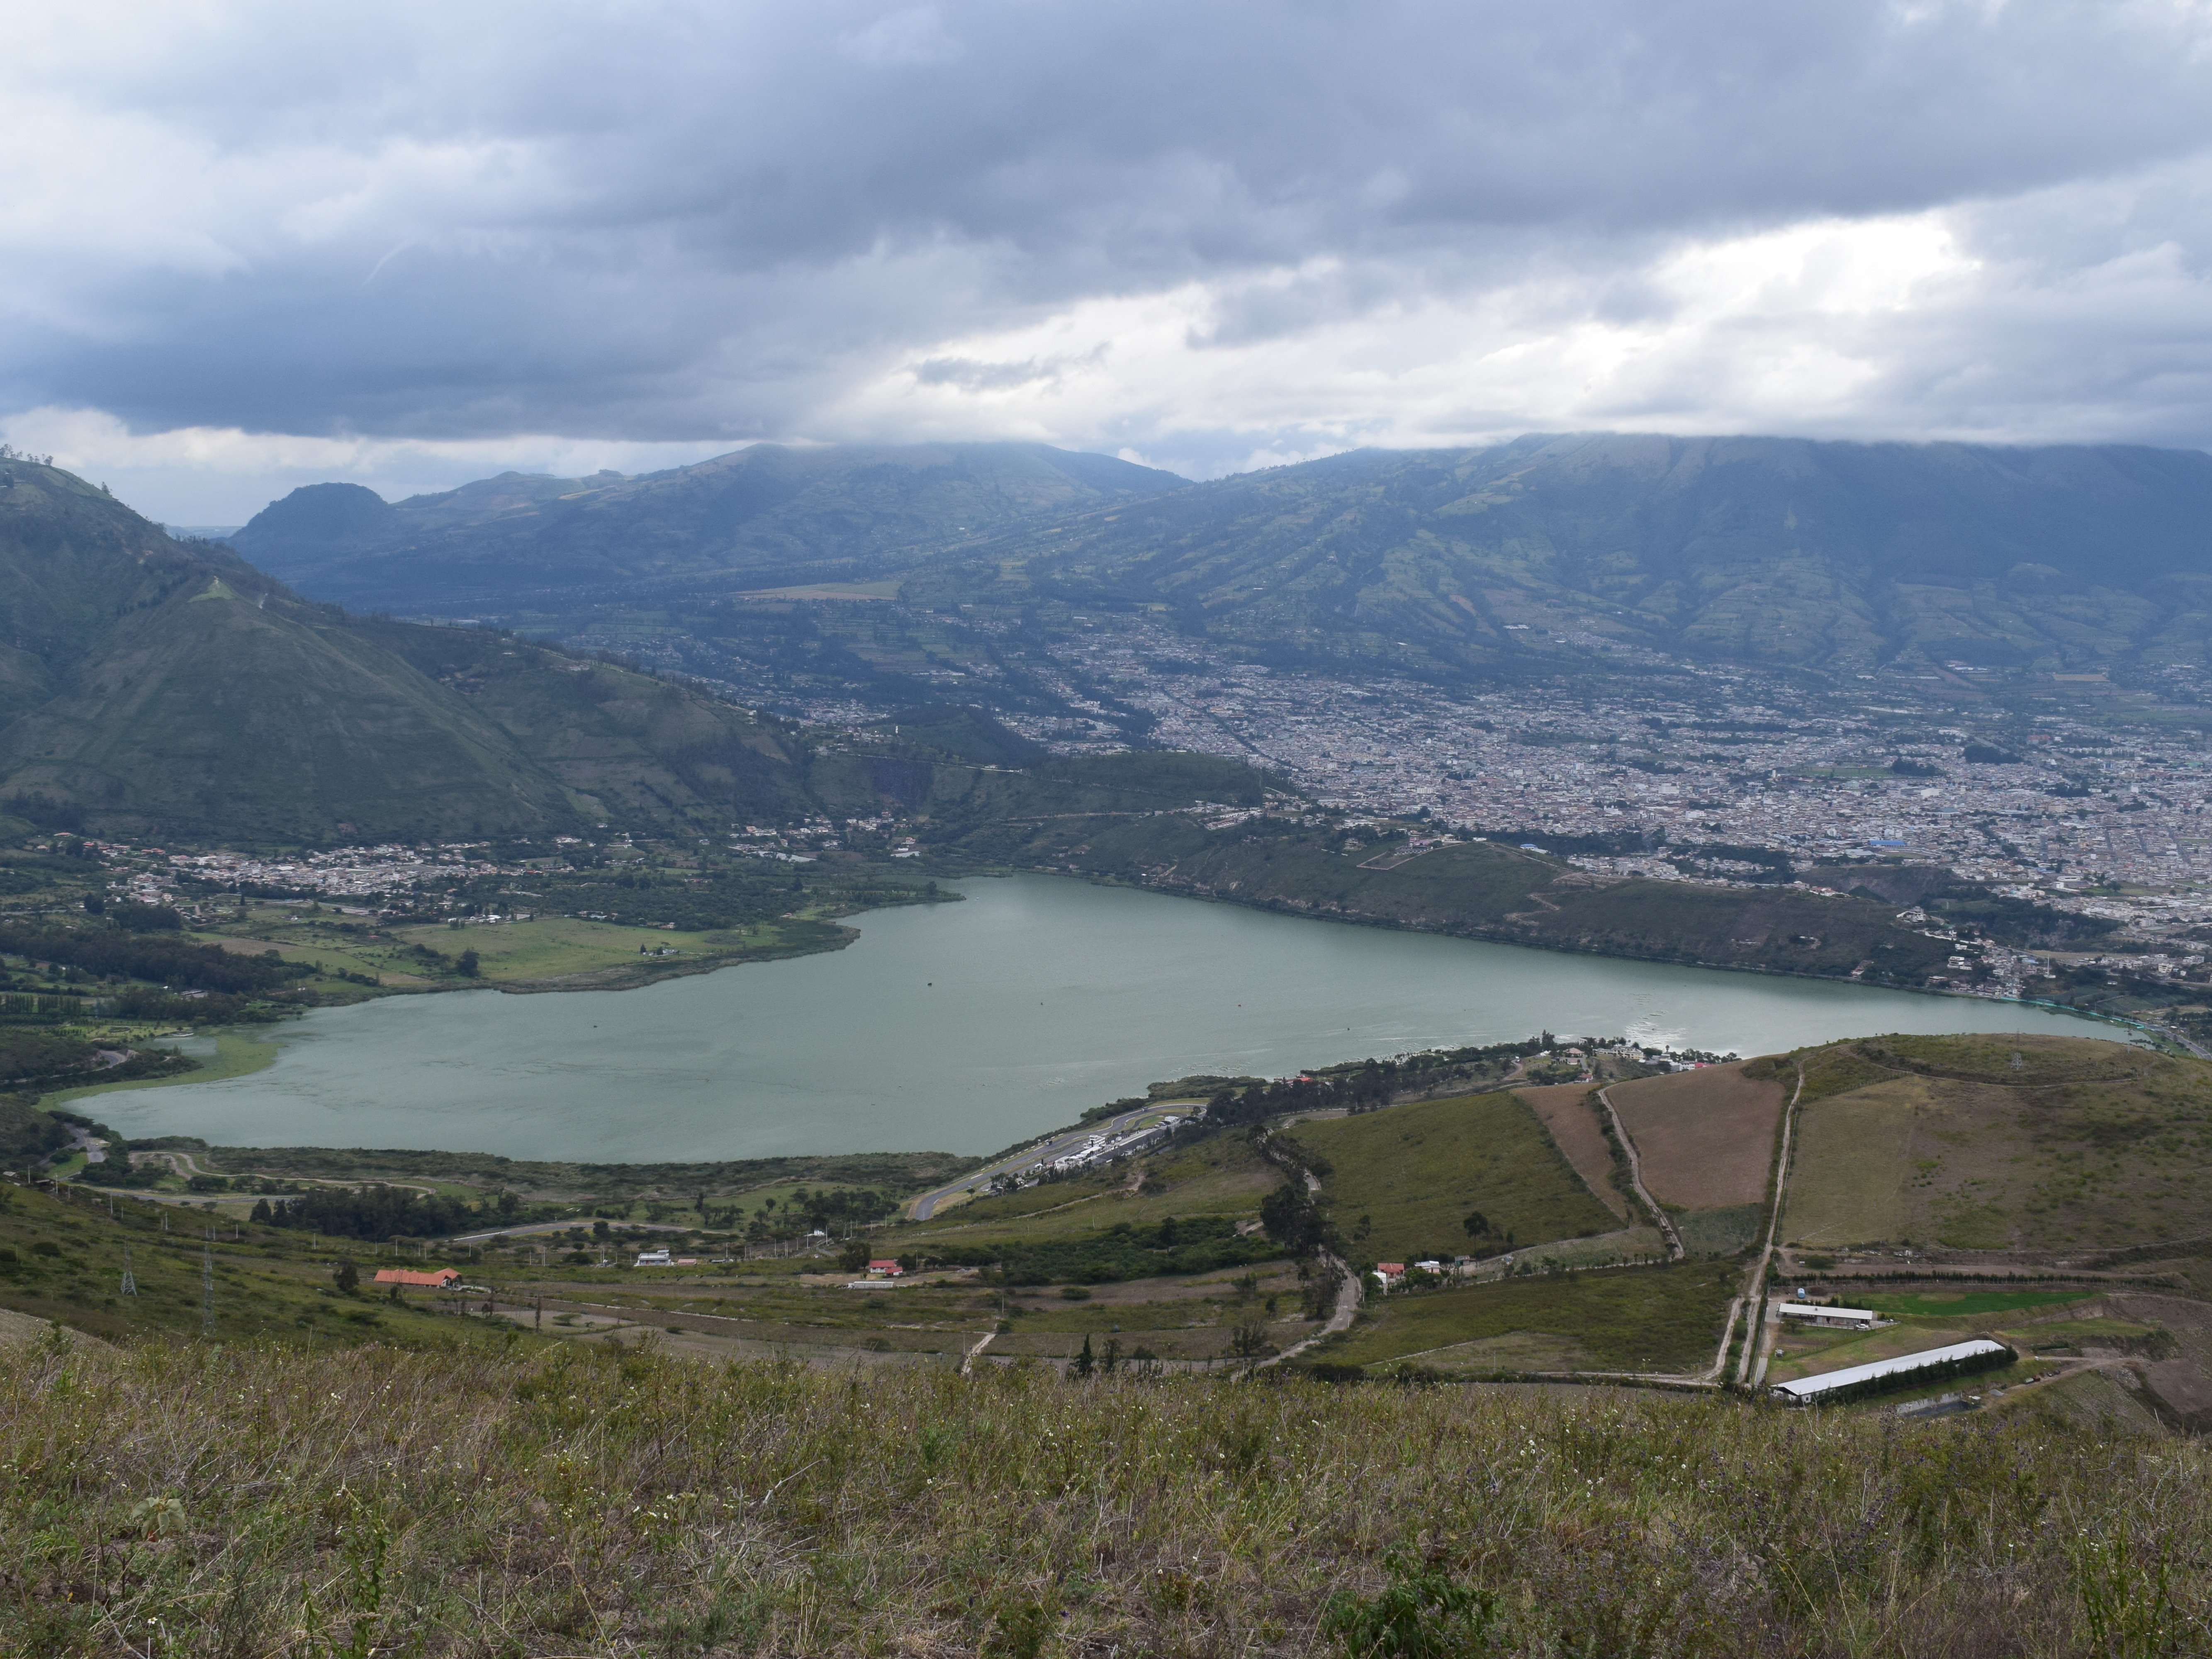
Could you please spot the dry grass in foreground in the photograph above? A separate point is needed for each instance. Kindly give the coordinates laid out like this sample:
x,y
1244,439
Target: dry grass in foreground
x,y
175,1500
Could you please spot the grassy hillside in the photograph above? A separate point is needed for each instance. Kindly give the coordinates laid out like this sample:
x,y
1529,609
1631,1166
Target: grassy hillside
x,y
1664,1319
62,1258
1403,1181
2002,1143
931,1467
457,1503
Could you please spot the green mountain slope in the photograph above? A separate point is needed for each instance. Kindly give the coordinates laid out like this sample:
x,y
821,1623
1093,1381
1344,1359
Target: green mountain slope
x,y
169,686
761,516
1839,556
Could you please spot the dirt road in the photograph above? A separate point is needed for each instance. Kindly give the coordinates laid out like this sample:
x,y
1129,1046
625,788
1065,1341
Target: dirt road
x,y
1674,1250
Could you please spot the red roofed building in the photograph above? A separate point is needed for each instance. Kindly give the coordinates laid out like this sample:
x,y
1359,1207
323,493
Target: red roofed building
x,y
885,1268
437,1279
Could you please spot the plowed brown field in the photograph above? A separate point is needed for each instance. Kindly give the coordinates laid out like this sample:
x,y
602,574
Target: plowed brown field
x,y
1706,1137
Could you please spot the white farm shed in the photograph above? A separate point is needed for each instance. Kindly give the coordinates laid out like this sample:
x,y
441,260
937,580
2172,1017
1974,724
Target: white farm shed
x,y
1806,1390
1815,1313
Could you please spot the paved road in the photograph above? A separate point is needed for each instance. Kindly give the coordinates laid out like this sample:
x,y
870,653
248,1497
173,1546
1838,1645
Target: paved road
x,y
1045,1151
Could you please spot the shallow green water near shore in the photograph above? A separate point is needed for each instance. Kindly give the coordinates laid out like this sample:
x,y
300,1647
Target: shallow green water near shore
x,y
965,1027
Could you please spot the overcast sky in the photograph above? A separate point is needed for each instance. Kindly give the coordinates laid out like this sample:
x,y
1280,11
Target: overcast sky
x,y
244,247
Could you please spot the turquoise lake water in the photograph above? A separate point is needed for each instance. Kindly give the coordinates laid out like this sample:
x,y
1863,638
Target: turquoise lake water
x,y
966,1027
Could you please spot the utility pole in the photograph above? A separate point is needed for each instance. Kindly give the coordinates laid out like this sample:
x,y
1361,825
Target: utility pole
x,y
207,1288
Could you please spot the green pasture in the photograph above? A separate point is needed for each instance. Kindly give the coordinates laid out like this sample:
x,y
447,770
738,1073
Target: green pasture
x,y
1402,1181
558,947
1663,1319
1967,1304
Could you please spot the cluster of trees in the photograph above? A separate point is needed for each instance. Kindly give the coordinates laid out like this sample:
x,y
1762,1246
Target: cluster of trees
x,y
29,1057
1360,1087
30,1008
380,1211
1294,1221
133,917
829,1210
162,1007
27,1134
116,953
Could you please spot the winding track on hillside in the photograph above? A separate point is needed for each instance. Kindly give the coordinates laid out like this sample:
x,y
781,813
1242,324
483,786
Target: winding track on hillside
x,y
1674,1250
1347,1297
1755,1339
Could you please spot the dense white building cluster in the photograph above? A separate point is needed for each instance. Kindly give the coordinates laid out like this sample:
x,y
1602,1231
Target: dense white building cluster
x,y
372,877
1676,777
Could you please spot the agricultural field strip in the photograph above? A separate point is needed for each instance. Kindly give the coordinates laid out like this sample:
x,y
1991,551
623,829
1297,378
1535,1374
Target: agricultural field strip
x,y
1755,1342
2014,1145
730,1325
1574,1128
1748,1294
1704,1137
1636,1179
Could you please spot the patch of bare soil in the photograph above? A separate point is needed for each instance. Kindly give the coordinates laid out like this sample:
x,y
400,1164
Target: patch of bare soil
x,y
1705,1138
2182,1381
1573,1123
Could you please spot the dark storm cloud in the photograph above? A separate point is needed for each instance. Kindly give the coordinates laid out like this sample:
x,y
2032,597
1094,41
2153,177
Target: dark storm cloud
x,y
683,221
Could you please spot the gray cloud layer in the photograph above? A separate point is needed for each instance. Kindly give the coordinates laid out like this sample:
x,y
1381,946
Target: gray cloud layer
x,y
718,221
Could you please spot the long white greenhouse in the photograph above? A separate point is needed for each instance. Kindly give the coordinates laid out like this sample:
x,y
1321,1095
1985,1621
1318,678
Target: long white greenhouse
x,y
1959,1357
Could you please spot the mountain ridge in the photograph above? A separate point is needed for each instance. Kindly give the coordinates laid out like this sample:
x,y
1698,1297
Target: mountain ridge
x,y
756,515
1582,552
1782,552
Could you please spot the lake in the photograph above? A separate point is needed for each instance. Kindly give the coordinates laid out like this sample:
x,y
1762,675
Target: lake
x,y
967,1027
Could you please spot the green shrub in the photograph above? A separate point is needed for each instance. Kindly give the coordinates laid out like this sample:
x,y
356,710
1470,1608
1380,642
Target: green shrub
x,y
1421,1614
